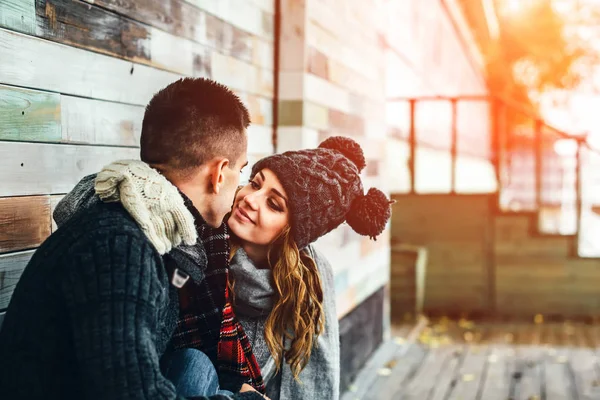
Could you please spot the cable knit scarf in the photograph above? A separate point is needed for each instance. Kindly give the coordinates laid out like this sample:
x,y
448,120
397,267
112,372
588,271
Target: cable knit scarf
x,y
151,200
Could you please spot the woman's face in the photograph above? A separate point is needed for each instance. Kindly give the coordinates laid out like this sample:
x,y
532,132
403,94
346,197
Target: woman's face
x,y
260,210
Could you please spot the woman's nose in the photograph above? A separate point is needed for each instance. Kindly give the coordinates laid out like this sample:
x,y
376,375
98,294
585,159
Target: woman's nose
x,y
250,199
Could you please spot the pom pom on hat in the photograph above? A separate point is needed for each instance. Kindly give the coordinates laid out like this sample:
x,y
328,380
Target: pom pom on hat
x,y
368,214
348,147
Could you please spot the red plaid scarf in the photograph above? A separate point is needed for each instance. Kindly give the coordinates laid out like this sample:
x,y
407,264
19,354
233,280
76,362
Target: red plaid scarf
x,y
206,318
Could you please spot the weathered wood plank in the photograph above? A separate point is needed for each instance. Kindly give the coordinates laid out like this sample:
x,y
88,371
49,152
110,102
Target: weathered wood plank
x,y
182,19
100,122
324,93
528,372
77,24
558,382
54,200
322,39
582,362
29,115
323,66
447,379
241,75
535,246
35,168
11,268
395,373
392,359
240,13
90,27
421,386
498,374
368,373
471,374
173,16
40,64
24,222
19,14
260,139
260,108
175,54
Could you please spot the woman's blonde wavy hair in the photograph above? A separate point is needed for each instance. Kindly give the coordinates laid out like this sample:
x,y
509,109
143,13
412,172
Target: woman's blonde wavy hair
x,y
297,314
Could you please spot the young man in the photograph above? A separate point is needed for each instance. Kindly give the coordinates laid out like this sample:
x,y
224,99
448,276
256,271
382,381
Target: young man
x,y
97,304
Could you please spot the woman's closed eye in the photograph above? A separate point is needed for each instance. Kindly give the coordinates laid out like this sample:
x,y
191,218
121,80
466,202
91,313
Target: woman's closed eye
x,y
274,205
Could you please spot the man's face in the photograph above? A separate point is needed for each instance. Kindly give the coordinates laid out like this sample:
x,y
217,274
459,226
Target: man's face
x,y
231,181
230,184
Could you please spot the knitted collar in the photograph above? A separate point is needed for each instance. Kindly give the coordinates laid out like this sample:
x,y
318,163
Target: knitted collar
x,y
155,203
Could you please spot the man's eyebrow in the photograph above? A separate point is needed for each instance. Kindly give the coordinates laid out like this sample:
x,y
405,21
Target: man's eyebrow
x,y
262,175
280,195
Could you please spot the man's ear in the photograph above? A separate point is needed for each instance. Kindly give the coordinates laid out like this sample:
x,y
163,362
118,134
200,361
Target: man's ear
x,y
217,177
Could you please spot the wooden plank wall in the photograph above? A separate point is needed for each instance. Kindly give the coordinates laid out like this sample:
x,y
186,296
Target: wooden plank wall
x,y
540,274
455,230
481,262
342,92
75,76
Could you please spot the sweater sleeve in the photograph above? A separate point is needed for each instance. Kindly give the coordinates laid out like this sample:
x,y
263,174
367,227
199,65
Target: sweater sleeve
x,y
113,293
322,373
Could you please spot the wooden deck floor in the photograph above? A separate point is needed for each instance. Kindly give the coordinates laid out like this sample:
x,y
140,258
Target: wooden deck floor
x,y
460,360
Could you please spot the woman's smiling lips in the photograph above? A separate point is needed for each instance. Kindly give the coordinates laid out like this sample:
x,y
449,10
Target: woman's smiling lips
x,y
242,215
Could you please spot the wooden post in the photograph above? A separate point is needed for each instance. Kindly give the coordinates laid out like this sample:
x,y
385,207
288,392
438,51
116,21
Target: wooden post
x,y
538,160
412,142
454,145
578,195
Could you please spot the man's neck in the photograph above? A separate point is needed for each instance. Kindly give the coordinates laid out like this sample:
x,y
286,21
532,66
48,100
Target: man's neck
x,y
195,208
194,194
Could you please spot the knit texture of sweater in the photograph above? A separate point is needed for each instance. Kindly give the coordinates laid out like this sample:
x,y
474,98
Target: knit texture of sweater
x,y
89,316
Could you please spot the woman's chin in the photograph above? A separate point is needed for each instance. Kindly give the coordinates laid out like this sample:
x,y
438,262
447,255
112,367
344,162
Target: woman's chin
x,y
236,229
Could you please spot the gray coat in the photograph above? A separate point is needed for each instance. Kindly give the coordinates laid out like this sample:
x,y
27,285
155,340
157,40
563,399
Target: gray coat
x,y
320,379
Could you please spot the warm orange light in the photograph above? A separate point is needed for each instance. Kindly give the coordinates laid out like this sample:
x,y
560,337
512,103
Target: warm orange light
x,y
565,147
513,6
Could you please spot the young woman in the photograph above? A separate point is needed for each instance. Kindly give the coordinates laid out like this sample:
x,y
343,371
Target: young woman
x,y
283,289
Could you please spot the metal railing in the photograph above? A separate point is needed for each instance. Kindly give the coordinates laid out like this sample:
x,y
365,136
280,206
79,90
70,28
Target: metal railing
x,y
538,167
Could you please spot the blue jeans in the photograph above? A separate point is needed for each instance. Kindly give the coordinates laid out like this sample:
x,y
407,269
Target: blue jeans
x,y
192,373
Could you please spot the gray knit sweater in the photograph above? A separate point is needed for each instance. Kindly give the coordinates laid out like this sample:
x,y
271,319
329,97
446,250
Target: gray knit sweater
x,y
320,379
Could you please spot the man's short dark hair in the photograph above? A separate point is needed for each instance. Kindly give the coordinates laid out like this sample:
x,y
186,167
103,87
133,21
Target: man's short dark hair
x,y
190,122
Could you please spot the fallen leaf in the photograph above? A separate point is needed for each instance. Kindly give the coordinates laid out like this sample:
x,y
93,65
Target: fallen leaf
x,y
399,340
538,319
465,324
468,336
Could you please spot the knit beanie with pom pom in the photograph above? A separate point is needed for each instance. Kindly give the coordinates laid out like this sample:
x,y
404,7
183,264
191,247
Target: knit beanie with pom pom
x,y
324,189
